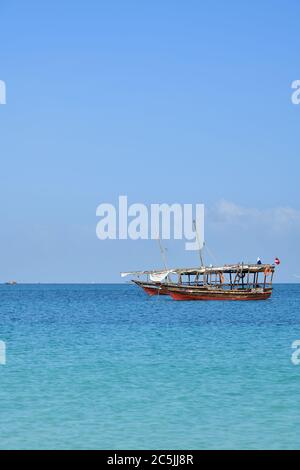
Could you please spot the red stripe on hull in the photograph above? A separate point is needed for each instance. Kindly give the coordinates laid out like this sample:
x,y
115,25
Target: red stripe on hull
x,y
154,291
185,296
149,291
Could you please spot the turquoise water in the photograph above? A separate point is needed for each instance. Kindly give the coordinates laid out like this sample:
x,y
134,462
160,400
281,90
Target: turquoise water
x,y
106,367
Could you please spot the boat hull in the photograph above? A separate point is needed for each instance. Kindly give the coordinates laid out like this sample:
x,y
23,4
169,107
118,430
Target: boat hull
x,y
152,289
188,293
208,295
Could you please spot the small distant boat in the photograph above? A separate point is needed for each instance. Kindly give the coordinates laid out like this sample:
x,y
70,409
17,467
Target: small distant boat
x,y
11,283
229,282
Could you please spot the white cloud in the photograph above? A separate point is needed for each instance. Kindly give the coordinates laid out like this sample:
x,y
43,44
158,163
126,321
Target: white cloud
x,y
277,218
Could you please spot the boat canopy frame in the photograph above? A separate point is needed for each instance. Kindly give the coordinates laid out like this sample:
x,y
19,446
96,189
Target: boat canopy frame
x,y
226,269
245,276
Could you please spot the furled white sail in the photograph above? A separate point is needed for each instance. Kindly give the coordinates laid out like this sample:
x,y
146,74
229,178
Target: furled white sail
x,y
159,276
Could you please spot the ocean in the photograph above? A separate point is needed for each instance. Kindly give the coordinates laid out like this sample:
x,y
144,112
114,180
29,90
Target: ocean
x,y
106,367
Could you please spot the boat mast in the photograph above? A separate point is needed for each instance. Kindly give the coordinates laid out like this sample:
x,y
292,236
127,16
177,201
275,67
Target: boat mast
x,y
163,253
200,248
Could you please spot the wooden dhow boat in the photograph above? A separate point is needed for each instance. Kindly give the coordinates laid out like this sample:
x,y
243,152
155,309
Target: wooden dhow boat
x,y
230,282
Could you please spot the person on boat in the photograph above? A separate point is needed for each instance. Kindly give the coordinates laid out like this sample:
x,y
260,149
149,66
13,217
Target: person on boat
x,y
258,261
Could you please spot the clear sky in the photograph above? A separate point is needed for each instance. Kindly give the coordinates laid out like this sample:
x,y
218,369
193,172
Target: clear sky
x,y
161,100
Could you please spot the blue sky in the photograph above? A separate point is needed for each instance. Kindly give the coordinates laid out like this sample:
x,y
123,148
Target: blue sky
x,y
163,101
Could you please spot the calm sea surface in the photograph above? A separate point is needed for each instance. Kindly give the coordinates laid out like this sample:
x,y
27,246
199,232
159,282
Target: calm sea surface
x,y
106,367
